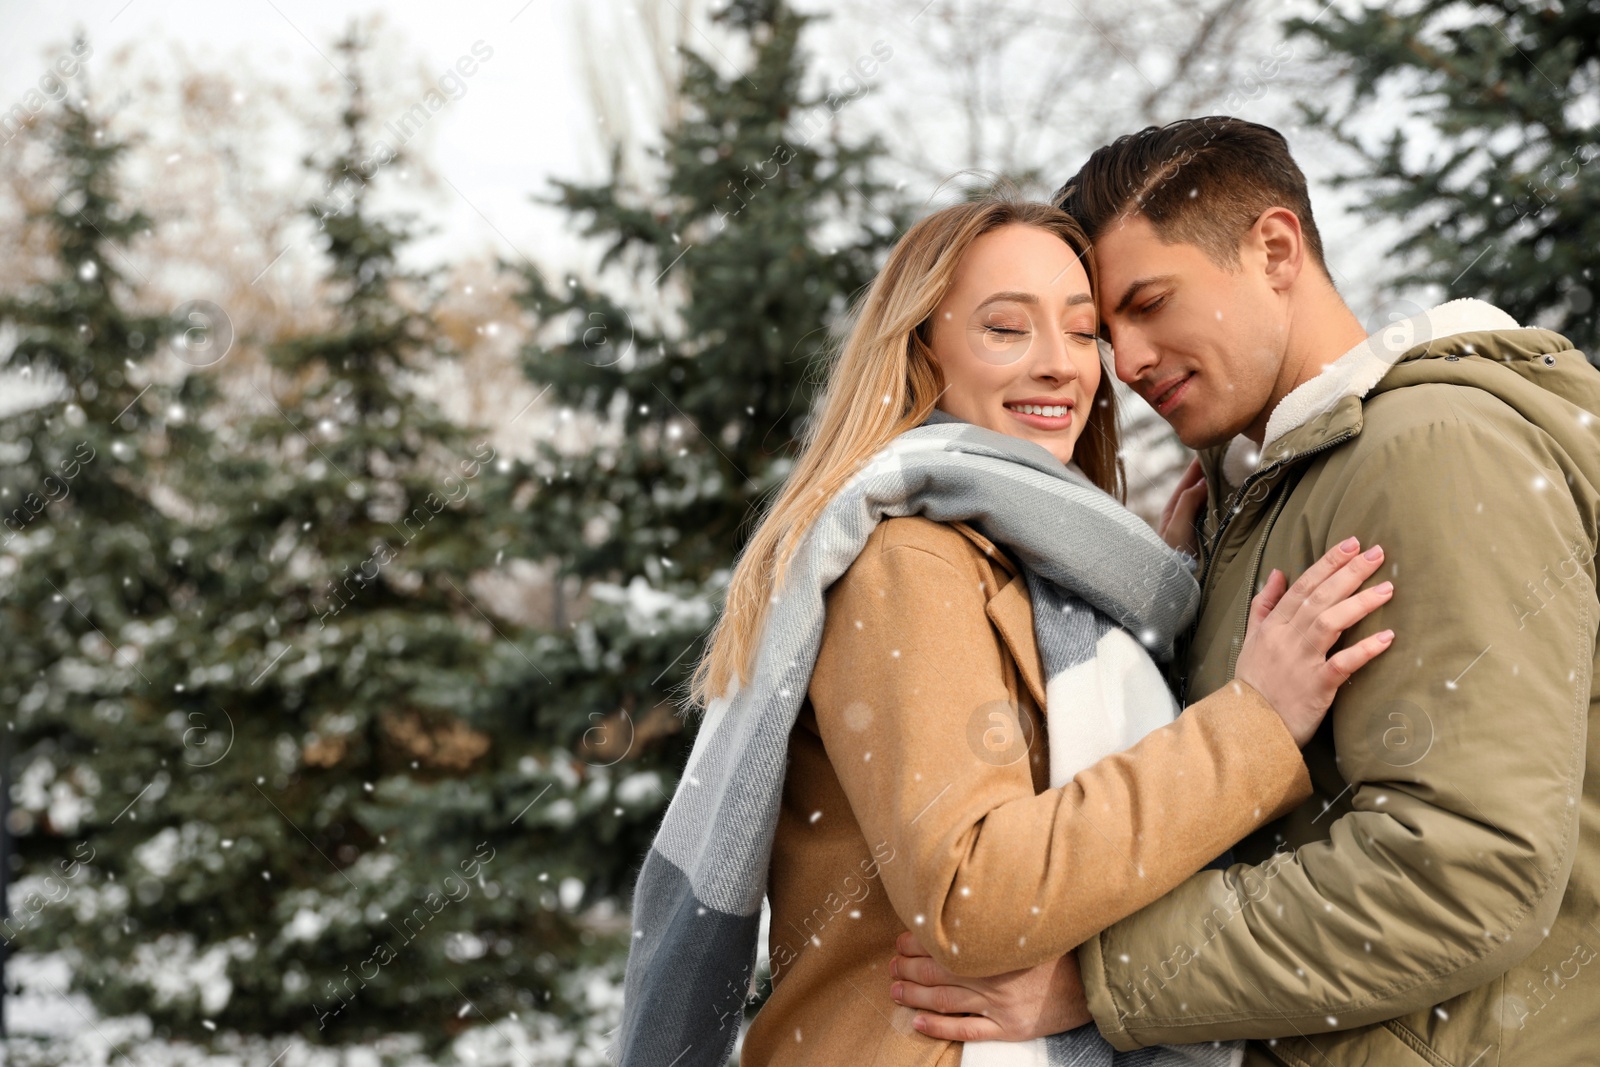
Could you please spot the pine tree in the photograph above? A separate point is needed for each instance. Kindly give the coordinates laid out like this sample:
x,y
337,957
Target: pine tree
x,y
1494,178
296,795
765,223
382,871
90,566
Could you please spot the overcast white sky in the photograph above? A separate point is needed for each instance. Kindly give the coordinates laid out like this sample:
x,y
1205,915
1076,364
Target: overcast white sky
x,y
524,118
521,119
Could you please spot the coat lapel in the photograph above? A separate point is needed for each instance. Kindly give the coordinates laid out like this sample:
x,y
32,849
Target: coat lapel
x,y
1010,609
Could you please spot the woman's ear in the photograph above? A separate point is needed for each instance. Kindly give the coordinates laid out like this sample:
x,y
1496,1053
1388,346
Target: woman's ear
x,y
924,337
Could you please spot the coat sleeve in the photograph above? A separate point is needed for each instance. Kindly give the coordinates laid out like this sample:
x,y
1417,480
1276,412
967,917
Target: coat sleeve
x,y
990,875
1462,747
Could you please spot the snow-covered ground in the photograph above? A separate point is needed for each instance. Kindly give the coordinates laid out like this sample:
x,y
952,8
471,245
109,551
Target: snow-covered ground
x,y
48,1027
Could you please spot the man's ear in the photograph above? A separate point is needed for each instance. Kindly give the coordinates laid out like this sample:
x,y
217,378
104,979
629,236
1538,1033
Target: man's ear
x,y
1279,245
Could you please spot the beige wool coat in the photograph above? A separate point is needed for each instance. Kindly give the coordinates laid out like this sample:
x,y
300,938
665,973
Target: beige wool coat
x,y
916,798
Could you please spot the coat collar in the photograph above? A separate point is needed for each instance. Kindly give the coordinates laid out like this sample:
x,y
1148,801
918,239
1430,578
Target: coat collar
x,y
1010,609
1329,405
992,551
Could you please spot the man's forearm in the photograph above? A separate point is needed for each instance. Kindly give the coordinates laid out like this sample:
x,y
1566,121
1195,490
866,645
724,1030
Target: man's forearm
x,y
1223,975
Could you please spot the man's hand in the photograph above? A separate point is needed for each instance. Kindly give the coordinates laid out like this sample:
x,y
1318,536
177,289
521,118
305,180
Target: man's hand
x,y
1046,999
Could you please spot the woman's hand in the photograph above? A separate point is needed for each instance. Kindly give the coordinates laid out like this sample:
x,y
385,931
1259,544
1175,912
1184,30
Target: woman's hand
x,y
1177,518
1285,654
1046,999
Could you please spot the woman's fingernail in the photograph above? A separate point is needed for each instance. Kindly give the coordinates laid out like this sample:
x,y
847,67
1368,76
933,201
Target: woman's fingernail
x,y
1386,587
894,992
1375,552
1349,544
920,1024
1386,636
894,967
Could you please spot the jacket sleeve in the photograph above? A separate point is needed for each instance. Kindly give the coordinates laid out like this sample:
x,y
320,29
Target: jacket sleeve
x,y
1462,747
990,875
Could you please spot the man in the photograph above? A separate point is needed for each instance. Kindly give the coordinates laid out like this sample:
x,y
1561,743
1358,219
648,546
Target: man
x,y
1434,902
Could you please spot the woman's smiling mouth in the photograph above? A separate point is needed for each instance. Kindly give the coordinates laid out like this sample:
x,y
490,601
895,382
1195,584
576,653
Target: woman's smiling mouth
x,y
1042,413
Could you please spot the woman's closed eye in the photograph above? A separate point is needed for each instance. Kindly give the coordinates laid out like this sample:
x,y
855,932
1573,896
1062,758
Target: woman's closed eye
x,y
1081,328
1001,337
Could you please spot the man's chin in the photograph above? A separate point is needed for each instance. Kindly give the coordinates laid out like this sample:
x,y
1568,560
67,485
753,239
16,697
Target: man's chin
x,y
1192,433
1199,433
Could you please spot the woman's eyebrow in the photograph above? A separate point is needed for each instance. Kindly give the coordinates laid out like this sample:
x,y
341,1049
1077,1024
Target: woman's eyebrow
x,y
1012,296
1017,297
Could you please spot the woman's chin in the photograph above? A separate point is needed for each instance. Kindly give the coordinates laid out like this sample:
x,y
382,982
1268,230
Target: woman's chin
x,y
1059,443
1061,452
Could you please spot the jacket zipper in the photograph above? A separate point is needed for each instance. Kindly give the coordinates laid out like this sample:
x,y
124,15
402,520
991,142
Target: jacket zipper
x,y
1237,645
1216,540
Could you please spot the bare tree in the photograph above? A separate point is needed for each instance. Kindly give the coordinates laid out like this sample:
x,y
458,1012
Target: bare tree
x,y
1024,90
1020,90
631,71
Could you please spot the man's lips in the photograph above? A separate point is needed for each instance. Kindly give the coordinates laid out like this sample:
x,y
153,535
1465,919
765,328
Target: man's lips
x,y
1166,397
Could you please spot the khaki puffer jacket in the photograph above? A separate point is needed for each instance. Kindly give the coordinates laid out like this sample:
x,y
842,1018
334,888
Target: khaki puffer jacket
x,y
1434,903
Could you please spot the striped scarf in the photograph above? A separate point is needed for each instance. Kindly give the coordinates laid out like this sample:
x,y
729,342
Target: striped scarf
x,y
1107,595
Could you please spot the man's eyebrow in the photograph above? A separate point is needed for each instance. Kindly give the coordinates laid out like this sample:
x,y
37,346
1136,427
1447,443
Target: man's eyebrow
x,y
1133,290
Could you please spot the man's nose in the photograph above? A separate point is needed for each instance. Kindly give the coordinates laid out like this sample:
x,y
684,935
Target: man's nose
x,y
1134,355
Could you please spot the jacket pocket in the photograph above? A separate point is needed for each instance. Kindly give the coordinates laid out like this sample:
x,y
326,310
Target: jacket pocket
x,y
1388,1044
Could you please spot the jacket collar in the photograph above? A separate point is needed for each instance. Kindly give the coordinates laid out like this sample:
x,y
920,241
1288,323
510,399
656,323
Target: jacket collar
x,y
1329,405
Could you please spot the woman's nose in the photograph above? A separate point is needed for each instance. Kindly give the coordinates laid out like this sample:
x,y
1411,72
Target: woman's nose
x,y
1052,361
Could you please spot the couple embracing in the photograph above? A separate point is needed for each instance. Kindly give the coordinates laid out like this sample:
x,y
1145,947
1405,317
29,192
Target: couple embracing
x,y
1297,779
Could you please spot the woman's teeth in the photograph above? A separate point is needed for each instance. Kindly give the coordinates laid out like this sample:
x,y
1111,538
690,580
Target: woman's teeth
x,y
1053,411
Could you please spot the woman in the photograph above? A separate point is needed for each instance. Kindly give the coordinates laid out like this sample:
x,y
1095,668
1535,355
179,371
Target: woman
x,y
956,724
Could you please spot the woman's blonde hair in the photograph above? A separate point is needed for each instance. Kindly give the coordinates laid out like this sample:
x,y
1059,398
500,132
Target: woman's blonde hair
x,y
884,381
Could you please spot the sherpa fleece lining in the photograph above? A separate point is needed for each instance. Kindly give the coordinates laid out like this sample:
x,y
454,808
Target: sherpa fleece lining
x,y
1358,370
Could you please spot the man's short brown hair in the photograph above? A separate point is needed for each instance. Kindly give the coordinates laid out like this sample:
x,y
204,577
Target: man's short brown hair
x,y
1200,181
